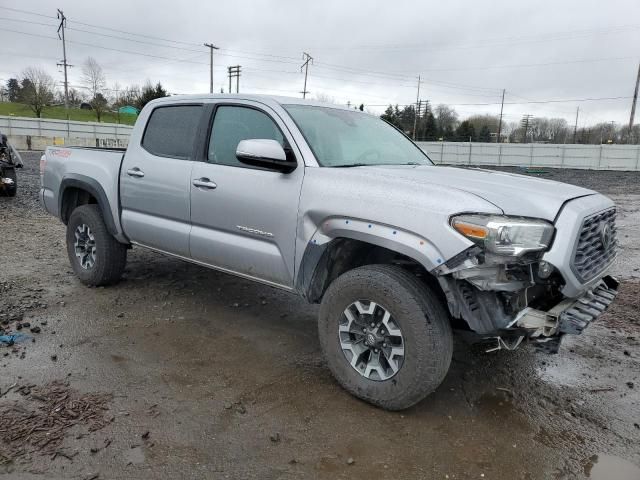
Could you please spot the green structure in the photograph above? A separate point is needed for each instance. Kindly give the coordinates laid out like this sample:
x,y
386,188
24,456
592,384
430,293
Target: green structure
x,y
128,109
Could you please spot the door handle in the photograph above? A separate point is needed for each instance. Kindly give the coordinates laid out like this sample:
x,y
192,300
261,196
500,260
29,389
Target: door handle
x,y
204,183
135,172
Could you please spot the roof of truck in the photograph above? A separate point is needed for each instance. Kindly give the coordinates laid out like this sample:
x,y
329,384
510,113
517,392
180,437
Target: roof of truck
x,y
265,99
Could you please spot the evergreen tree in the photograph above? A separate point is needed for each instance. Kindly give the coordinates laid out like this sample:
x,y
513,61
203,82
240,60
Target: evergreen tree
x,y
485,134
388,114
13,90
148,93
392,115
466,132
430,126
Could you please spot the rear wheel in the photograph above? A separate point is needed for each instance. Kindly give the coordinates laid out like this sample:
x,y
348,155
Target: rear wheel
x,y
96,257
385,335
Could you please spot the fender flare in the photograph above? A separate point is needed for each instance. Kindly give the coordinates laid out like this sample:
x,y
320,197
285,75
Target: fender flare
x,y
391,238
408,243
91,185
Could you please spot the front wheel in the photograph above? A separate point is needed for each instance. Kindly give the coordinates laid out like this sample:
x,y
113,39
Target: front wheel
x,y
96,257
385,335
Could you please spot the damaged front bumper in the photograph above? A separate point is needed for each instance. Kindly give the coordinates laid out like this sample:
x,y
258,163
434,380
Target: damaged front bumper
x,y
570,316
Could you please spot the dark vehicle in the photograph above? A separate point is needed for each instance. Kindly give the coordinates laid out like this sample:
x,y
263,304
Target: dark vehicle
x,y
9,161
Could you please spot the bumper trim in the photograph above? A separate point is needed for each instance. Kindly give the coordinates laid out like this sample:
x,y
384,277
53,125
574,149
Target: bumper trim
x,y
571,315
588,307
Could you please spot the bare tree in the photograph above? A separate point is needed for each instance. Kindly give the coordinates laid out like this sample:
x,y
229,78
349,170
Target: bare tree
x,y
488,121
37,90
95,82
558,130
446,118
325,98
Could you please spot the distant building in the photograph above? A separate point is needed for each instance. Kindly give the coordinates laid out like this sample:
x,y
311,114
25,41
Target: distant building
x,y
128,109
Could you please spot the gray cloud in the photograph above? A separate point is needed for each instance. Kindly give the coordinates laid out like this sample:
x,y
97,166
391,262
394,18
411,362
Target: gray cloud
x,y
365,52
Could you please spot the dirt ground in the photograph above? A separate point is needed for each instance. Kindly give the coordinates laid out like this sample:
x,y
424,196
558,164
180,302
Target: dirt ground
x,y
181,372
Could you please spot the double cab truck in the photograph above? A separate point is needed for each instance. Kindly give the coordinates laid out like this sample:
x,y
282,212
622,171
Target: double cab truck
x,y
342,208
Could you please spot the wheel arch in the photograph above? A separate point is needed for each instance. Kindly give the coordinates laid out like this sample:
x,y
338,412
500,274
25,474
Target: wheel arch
x,y
322,263
76,190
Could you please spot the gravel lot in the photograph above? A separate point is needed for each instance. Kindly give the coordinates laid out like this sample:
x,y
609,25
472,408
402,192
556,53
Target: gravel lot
x,y
182,372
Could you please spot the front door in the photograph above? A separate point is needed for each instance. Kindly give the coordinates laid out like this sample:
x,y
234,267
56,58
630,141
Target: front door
x,y
155,180
244,218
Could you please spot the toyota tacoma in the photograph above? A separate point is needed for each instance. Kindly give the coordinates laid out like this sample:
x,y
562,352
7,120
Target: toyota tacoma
x,y
340,207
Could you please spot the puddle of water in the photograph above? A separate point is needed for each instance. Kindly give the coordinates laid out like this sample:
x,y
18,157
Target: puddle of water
x,y
608,467
135,456
566,373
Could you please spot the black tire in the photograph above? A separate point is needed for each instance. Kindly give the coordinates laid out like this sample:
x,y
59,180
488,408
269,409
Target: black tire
x,y
110,255
417,311
12,190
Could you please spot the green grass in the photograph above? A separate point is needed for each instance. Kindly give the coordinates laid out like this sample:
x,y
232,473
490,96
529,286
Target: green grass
x,y
21,110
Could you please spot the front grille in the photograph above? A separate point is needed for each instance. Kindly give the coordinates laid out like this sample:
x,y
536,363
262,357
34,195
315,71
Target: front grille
x,y
596,246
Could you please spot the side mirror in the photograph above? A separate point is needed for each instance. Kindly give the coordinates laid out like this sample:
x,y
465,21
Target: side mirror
x,y
265,153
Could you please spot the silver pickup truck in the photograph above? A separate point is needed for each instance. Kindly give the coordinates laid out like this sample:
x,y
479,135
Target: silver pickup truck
x,y
340,207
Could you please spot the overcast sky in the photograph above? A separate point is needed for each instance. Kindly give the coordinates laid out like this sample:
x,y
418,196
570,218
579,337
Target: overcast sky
x,y
367,52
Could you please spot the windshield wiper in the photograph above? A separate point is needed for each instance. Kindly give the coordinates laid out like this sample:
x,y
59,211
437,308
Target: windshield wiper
x,y
349,165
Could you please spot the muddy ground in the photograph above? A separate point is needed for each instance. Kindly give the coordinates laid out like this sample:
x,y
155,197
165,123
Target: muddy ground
x,y
182,372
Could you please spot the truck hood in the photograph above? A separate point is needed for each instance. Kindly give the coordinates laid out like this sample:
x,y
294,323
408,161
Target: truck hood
x,y
514,194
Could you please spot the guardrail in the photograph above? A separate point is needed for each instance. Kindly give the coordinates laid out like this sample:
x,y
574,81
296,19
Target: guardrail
x,y
591,157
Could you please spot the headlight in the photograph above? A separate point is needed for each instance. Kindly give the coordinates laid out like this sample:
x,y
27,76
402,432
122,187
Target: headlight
x,y
504,235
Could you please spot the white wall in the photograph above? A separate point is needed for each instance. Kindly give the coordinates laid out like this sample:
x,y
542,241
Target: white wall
x,y
45,131
594,157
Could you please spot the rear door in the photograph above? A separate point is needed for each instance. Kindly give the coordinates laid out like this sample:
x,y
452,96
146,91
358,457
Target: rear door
x,y
155,179
244,218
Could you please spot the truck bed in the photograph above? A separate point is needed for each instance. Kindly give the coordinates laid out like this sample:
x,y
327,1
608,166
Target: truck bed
x,y
64,167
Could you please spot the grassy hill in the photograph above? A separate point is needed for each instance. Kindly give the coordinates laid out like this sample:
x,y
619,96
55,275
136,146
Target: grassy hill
x,y
21,110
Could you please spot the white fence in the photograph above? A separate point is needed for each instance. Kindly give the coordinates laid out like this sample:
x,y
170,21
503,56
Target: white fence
x,y
593,157
37,133
26,132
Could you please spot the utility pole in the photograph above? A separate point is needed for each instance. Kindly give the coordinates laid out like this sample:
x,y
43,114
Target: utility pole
x,y
575,126
415,116
526,120
234,72
633,105
307,59
500,122
212,47
612,132
64,64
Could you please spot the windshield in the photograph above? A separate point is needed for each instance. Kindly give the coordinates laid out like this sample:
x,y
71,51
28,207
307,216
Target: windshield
x,y
342,138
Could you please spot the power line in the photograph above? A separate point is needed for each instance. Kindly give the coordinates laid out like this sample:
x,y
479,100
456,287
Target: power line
x,y
526,103
552,36
28,12
530,65
30,22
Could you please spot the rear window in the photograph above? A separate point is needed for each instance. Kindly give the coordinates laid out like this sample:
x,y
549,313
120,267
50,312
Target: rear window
x,y
171,131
